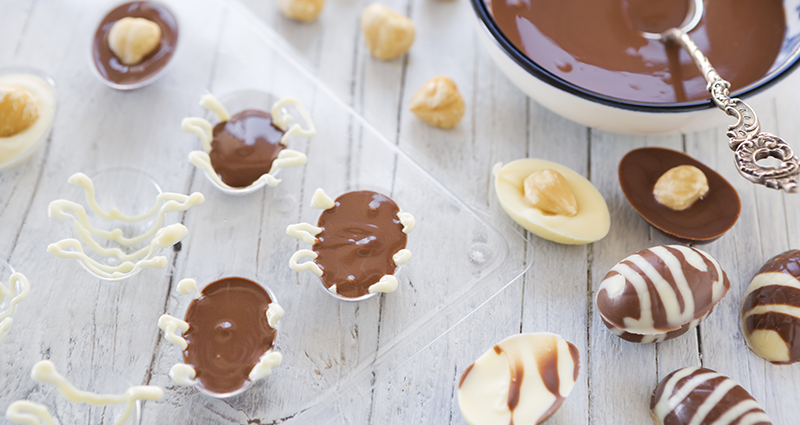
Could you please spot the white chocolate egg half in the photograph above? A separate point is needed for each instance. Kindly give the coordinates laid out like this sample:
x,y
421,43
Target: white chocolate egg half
x,y
18,147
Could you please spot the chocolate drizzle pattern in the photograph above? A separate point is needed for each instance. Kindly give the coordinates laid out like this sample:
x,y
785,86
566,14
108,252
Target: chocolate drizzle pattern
x,y
703,397
110,67
244,147
228,333
532,364
360,234
660,293
771,310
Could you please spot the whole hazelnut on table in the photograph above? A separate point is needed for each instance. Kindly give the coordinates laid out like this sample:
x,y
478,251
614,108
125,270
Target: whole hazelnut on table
x,y
387,33
438,103
301,10
132,39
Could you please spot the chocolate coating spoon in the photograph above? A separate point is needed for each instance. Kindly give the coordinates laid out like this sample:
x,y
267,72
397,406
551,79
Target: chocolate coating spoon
x,y
746,139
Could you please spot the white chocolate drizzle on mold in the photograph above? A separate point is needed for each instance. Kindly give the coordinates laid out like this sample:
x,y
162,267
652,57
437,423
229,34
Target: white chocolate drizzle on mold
x,y
30,413
17,290
274,313
160,237
401,257
173,330
183,374
388,283
321,201
188,286
286,157
45,372
270,360
308,265
304,231
408,221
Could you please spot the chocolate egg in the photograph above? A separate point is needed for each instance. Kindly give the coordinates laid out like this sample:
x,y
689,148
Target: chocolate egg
x,y
660,293
700,396
771,310
522,380
704,221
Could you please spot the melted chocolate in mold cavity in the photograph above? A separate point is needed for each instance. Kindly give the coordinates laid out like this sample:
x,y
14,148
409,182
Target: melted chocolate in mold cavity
x,y
597,45
703,222
228,333
360,235
244,147
110,67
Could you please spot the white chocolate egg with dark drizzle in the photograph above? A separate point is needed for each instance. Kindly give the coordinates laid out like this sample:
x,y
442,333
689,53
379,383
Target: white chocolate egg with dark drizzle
x,y
771,310
522,380
697,396
660,293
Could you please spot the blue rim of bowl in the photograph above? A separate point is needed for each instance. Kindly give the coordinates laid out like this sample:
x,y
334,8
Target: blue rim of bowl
x,y
488,23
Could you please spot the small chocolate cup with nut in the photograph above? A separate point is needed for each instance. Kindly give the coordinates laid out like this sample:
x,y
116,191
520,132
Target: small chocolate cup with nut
x,y
133,44
678,195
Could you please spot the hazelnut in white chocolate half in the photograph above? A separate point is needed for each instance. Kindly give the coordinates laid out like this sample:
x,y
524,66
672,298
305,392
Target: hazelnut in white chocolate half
x,y
27,109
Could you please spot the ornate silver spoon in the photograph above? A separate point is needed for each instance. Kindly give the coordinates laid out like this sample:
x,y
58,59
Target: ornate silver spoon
x,y
746,139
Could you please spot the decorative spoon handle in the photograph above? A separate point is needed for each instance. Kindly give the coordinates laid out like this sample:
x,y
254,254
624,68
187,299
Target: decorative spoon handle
x,y
746,139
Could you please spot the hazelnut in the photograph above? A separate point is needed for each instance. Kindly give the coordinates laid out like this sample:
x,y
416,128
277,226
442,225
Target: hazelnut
x,y
438,103
131,39
549,191
301,10
680,187
387,33
18,111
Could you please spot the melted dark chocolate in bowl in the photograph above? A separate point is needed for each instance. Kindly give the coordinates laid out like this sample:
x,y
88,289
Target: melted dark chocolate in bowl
x,y
109,66
244,147
597,45
360,235
228,333
703,222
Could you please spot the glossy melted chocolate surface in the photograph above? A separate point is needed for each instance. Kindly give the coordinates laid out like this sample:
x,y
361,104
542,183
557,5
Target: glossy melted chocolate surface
x,y
704,221
110,67
244,147
360,235
597,45
228,333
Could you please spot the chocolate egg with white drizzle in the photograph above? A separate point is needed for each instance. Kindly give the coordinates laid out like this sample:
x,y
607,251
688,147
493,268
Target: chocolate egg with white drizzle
x,y
771,310
522,380
660,293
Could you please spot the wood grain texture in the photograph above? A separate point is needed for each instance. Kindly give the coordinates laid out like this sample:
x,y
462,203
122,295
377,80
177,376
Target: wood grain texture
x,y
395,370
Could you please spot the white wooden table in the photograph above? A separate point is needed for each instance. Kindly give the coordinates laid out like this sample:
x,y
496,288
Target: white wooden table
x,y
93,330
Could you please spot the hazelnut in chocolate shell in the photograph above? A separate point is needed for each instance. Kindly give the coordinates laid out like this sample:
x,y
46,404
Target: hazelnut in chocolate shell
x,y
771,310
710,206
700,396
660,293
522,380
133,44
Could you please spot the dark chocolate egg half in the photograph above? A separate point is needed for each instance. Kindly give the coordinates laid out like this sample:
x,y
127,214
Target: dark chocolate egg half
x,y
771,310
703,397
660,293
228,333
360,235
706,220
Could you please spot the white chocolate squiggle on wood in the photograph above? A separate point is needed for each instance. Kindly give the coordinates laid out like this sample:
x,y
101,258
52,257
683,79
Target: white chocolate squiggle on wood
x,y
17,290
165,237
274,314
286,157
270,360
188,287
388,283
321,201
408,222
308,265
173,329
30,413
183,374
701,396
45,372
304,231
